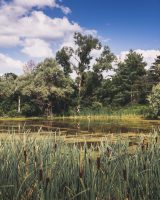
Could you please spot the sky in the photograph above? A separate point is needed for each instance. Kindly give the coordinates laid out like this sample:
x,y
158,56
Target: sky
x,y
36,29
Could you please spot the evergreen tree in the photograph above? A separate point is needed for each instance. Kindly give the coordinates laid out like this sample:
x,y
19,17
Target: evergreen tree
x,y
129,84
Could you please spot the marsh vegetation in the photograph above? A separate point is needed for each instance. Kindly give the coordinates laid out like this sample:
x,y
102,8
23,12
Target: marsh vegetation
x,y
49,168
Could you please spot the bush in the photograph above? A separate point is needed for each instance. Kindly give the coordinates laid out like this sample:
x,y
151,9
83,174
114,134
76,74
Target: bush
x,y
96,105
13,113
29,110
154,102
1,113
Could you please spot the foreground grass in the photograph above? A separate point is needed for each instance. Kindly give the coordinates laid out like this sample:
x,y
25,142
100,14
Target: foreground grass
x,y
51,169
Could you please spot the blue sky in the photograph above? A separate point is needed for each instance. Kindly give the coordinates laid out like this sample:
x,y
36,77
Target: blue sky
x,y
35,29
127,23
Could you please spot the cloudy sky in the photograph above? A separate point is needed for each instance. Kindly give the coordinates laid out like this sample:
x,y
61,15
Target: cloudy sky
x,y
35,29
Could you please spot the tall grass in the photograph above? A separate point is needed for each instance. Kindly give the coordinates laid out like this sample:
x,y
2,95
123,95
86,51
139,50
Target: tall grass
x,y
118,111
53,170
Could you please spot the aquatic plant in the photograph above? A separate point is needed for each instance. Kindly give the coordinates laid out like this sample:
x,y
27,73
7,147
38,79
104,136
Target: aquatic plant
x,y
51,169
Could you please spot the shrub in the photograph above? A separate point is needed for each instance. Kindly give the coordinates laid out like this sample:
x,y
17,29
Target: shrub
x,y
154,102
13,113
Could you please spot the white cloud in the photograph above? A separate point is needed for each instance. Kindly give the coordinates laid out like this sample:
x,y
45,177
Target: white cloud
x,y
34,3
8,64
9,41
33,31
149,55
64,9
41,26
37,48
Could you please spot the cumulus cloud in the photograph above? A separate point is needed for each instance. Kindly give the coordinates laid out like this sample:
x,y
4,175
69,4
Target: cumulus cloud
x,y
8,64
34,3
9,41
149,55
33,31
21,25
37,48
64,9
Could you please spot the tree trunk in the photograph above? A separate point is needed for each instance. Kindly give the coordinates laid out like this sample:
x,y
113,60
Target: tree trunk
x,y
19,104
79,93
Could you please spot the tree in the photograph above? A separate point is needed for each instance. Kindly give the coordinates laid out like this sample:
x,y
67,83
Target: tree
x,y
92,90
129,79
104,62
154,73
63,58
7,91
82,58
48,86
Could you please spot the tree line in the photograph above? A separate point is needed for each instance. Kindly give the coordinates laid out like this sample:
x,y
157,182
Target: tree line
x,y
50,87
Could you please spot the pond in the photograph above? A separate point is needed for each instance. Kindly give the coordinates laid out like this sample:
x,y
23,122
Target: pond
x,y
75,126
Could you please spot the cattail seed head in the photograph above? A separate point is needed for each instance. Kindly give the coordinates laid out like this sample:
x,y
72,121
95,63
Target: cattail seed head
x,y
47,182
40,174
55,147
98,163
109,152
156,138
25,155
125,174
81,172
89,160
142,147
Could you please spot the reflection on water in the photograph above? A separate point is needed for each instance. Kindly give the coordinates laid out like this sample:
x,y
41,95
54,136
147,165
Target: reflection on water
x,y
72,127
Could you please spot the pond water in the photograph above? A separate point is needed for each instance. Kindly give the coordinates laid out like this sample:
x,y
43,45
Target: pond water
x,y
72,127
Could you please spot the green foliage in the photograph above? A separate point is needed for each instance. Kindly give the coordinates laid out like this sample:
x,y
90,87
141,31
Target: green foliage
x,y
12,113
129,84
30,109
96,106
1,113
104,62
63,58
154,102
49,89
154,73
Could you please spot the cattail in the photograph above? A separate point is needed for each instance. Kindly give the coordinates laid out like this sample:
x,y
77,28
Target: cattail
x,y
25,156
98,163
89,160
35,165
156,138
128,192
81,172
55,147
125,174
40,175
109,152
142,147
147,146
47,182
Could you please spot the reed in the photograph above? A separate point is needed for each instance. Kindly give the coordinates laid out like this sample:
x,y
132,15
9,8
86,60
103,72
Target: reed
x,y
51,169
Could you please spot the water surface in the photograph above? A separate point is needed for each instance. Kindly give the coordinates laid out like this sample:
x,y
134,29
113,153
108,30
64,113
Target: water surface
x,y
72,127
